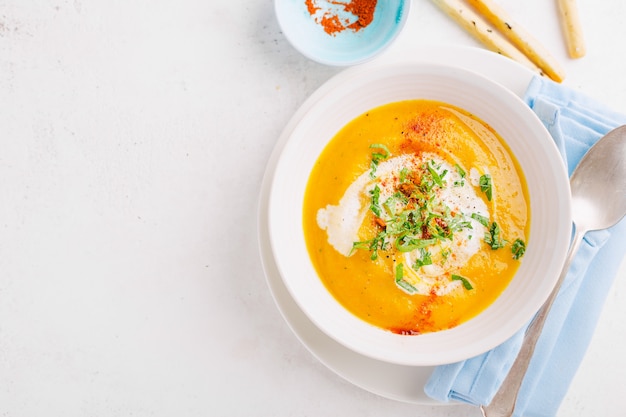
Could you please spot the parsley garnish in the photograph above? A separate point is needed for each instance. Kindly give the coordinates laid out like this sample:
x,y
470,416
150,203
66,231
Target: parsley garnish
x,y
401,282
374,204
423,260
414,219
480,219
404,174
399,272
518,248
465,281
436,177
486,186
460,170
373,245
382,153
492,237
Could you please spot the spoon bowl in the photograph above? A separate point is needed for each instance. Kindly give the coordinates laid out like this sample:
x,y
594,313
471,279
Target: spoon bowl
x,y
599,183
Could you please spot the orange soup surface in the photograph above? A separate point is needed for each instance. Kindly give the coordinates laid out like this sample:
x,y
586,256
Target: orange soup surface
x,y
416,216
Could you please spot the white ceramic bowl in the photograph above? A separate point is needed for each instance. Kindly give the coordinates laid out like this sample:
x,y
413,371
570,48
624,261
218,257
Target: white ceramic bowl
x,y
528,140
346,47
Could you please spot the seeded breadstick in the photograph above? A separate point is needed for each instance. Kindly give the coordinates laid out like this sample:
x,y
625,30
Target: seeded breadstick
x,y
572,29
483,31
519,37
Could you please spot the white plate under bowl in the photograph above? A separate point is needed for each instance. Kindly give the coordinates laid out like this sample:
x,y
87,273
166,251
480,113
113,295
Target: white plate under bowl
x,y
528,140
393,381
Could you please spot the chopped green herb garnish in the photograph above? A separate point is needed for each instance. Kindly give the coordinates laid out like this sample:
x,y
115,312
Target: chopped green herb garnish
x,y
518,248
486,186
465,281
458,223
436,177
399,272
423,260
492,237
407,287
480,219
415,218
401,282
382,154
374,204
408,243
404,174
385,150
379,242
460,170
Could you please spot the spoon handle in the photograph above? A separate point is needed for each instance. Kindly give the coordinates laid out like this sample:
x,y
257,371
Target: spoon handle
x,y
503,402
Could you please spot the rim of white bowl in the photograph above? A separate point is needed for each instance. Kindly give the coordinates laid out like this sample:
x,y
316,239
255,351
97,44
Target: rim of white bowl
x,y
547,180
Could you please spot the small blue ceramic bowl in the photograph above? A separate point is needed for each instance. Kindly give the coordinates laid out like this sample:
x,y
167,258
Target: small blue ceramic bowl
x,y
347,47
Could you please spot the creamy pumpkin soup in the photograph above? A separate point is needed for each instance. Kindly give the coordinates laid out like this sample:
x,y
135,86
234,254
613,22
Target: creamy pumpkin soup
x,y
416,216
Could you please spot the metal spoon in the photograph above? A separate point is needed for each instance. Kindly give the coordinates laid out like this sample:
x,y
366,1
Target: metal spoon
x,y
598,187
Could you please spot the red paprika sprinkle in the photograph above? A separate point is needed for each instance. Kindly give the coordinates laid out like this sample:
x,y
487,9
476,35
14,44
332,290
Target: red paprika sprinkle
x,y
328,16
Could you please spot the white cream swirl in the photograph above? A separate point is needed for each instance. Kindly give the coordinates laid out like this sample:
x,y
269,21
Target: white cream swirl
x,y
455,194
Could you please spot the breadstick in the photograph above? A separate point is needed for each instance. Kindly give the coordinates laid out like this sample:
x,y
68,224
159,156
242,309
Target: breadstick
x,y
485,33
572,29
519,37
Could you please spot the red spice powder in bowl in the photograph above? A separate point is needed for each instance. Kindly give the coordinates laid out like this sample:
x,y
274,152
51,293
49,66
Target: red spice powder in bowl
x,y
341,32
330,14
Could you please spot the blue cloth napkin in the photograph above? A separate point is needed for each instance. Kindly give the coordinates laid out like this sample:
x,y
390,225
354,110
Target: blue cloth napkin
x,y
576,122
